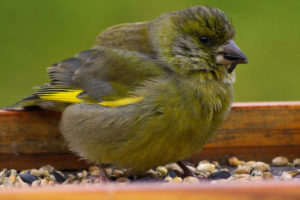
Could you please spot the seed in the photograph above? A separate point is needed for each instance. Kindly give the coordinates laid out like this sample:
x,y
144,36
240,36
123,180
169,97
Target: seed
x,y
45,172
242,170
162,170
216,163
294,172
21,182
36,183
153,174
296,162
59,176
49,168
206,167
234,161
80,175
24,171
51,182
242,176
44,182
36,172
94,171
280,161
168,178
117,173
256,172
250,163
3,172
261,166
203,162
84,173
191,179
28,178
219,175
122,180
268,175
286,176
13,175
172,173
2,175
176,179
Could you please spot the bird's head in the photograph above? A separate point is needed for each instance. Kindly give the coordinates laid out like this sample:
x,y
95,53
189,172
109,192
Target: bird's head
x,y
199,38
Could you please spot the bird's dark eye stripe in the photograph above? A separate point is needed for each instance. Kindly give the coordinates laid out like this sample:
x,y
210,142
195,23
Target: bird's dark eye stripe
x,y
203,39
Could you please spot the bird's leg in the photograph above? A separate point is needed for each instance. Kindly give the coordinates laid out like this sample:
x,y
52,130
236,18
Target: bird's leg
x,y
103,175
100,177
185,169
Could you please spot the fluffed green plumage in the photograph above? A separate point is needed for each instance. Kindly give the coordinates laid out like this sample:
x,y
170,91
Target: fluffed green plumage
x,y
178,65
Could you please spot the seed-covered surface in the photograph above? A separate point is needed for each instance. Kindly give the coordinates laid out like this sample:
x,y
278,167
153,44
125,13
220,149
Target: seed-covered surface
x,y
237,170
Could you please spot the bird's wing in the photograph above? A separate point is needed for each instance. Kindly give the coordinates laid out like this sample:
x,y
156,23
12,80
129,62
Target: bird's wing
x,y
102,76
129,36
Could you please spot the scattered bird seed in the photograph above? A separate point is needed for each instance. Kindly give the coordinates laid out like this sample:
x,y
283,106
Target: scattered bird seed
x,y
191,179
117,172
176,179
234,161
206,167
28,178
242,169
59,176
162,170
172,173
205,171
296,162
280,161
94,170
256,172
35,172
268,175
122,180
219,175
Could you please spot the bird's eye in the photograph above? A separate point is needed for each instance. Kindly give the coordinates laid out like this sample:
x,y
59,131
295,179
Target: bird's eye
x,y
203,39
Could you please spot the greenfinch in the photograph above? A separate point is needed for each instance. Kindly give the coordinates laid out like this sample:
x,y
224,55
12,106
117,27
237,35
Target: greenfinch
x,y
146,93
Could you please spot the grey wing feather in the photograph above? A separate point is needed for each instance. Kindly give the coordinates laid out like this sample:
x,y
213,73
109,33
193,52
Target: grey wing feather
x,y
62,73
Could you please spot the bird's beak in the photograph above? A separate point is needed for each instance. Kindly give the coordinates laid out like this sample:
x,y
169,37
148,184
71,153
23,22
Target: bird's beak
x,y
230,55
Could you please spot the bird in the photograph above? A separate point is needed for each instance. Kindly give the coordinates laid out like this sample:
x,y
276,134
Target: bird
x,y
147,93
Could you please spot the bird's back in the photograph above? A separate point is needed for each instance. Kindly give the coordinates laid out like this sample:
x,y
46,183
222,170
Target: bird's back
x,y
129,36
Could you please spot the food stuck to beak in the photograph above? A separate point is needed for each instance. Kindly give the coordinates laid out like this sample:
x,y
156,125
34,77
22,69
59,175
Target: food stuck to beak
x,y
230,55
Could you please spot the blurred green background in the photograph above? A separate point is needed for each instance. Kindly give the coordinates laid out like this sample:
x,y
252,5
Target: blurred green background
x,y
37,33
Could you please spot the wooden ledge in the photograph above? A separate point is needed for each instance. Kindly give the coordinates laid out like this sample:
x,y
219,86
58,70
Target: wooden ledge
x,y
252,131
249,191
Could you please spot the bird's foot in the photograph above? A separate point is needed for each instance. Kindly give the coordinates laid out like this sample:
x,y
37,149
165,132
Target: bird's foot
x,y
99,176
186,170
103,175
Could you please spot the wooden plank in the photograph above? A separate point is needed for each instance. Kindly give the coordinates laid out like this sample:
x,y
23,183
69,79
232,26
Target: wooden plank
x,y
258,131
250,191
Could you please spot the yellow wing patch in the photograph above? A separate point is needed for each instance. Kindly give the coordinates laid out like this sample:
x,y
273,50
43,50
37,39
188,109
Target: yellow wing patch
x,y
71,96
121,102
61,95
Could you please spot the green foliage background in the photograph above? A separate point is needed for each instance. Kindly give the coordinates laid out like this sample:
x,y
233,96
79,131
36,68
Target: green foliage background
x,y
37,33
